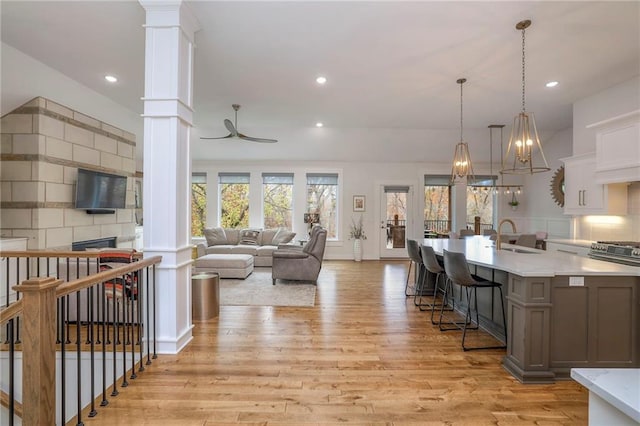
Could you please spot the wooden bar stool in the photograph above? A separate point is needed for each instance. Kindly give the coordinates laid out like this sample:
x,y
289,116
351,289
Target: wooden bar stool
x,y
457,270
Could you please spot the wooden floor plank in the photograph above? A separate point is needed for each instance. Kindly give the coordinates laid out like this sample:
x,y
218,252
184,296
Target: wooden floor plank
x,y
364,355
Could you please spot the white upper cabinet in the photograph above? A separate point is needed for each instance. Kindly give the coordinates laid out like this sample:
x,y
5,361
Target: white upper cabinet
x,y
618,148
584,196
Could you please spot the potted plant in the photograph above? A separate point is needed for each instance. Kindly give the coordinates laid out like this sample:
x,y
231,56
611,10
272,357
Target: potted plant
x,y
356,233
514,202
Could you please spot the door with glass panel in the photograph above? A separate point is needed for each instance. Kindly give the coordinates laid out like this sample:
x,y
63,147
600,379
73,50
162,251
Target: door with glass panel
x,y
395,220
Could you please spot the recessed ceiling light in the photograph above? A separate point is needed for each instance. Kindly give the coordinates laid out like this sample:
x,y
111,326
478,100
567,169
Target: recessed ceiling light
x,y
110,78
321,80
552,84
318,124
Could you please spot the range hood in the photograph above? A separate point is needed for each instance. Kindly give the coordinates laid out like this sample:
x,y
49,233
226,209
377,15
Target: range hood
x,y
618,148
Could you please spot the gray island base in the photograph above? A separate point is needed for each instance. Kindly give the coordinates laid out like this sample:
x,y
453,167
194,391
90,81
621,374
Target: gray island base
x,y
563,311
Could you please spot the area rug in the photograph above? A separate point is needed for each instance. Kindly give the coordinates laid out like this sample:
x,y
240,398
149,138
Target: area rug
x,y
257,290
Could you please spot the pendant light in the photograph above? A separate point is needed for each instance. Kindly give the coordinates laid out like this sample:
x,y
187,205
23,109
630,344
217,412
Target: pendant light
x,y
501,187
462,166
524,134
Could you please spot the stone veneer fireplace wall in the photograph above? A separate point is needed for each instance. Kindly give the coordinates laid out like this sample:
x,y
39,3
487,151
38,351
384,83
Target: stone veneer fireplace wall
x,y
43,145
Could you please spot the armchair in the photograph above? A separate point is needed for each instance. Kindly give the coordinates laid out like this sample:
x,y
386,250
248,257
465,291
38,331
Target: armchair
x,y
300,265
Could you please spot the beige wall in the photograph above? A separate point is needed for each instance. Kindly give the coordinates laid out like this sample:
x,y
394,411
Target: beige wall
x,y
43,145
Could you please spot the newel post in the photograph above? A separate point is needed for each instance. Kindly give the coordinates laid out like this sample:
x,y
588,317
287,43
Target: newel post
x,y
39,350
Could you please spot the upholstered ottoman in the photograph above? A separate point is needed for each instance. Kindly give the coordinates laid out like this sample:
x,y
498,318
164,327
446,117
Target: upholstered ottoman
x,y
226,265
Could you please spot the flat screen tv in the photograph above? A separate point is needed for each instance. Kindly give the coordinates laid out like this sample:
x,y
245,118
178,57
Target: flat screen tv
x,y
99,192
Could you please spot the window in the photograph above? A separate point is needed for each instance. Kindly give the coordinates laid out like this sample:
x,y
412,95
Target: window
x,y
198,203
322,198
277,199
480,201
437,204
234,200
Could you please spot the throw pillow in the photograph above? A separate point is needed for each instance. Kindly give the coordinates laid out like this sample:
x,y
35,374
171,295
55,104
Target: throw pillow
x,y
127,285
249,237
215,236
283,236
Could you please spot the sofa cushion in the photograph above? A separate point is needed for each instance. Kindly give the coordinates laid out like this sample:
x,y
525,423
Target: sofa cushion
x,y
249,237
265,250
266,236
215,236
233,235
221,249
245,249
283,236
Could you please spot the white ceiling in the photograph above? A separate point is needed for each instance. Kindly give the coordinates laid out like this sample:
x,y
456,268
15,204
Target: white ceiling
x,y
392,66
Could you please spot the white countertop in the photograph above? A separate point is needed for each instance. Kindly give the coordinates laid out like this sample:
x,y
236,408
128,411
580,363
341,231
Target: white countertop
x,y
481,251
571,242
620,387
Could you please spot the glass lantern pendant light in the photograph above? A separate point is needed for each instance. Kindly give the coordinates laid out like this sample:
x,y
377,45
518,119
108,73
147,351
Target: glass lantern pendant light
x,y
524,134
462,166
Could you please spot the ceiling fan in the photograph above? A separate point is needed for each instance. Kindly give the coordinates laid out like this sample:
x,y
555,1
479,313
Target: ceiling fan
x,y
233,129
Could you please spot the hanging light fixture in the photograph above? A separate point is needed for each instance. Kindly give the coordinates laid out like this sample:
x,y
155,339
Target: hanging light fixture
x,y
462,166
524,134
501,187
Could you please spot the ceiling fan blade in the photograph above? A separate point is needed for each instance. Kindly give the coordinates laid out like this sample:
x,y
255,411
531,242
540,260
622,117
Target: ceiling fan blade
x,y
230,127
252,139
221,137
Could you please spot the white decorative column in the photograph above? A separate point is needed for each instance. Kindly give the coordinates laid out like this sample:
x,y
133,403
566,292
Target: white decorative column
x,y
168,101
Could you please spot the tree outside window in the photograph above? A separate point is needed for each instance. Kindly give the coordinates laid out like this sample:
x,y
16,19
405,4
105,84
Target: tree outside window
x,y
481,200
322,198
198,204
437,203
234,200
277,196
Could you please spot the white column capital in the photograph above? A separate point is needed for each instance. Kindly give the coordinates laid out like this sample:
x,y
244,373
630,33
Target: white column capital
x,y
170,13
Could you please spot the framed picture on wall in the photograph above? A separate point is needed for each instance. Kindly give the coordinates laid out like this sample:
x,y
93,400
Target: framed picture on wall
x,y
358,203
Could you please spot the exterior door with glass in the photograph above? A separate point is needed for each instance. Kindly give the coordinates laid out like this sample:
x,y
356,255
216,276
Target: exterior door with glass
x,y
395,220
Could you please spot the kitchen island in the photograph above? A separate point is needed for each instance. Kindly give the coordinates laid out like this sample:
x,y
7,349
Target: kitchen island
x,y
563,311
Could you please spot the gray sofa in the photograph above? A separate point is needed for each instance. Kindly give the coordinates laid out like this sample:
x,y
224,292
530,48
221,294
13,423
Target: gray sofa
x,y
260,243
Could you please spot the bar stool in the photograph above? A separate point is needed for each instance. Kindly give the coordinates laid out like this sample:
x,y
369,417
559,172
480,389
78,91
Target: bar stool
x,y
457,270
432,266
413,249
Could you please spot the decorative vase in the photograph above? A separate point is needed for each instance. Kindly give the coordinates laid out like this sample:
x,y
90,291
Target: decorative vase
x,y
357,249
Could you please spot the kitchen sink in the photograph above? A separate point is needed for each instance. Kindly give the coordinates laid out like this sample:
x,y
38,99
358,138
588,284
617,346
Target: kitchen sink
x,y
517,250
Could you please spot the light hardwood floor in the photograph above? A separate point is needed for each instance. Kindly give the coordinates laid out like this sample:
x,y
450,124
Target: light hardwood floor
x,y
363,355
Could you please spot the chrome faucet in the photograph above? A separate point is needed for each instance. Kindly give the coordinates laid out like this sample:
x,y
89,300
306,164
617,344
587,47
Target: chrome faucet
x,y
498,236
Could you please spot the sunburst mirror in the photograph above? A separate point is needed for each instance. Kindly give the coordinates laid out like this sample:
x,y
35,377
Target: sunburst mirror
x,y
557,187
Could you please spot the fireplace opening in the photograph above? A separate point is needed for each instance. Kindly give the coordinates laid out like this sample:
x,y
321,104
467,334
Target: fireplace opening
x,y
109,242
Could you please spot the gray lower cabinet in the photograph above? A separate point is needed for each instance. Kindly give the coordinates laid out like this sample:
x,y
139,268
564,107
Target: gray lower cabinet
x,y
555,327
595,325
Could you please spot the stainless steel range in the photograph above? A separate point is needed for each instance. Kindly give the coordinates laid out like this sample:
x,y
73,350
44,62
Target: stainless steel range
x,y
625,252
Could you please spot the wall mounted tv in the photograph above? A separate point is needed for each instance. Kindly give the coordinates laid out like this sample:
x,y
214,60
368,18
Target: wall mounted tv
x,y
99,192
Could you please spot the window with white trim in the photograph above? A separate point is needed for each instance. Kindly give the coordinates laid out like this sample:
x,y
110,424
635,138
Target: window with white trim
x,y
233,190
322,199
277,200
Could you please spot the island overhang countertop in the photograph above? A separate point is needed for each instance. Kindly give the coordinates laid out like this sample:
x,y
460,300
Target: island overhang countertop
x,y
528,262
